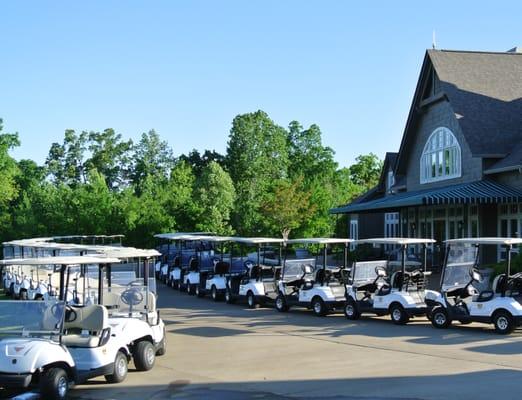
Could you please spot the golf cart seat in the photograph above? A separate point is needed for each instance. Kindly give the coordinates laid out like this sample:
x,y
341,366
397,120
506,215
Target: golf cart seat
x,y
500,283
255,272
193,265
86,329
221,268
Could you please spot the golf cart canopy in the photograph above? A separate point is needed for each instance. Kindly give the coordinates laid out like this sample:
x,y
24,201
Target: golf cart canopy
x,y
215,239
319,241
396,241
486,240
66,260
255,240
128,252
182,235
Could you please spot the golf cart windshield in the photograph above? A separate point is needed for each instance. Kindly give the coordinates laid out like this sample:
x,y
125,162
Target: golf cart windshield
x,y
294,269
31,318
461,258
133,273
368,271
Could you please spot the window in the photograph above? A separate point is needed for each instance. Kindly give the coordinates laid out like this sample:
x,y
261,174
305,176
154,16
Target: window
x,y
390,180
440,158
354,230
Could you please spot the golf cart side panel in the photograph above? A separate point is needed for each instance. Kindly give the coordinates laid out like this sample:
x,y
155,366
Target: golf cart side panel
x,y
128,330
92,362
258,288
487,308
30,354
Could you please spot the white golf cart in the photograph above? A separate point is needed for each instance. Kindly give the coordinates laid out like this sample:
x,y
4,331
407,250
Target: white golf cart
x,y
253,278
32,355
465,297
216,280
384,286
78,343
306,282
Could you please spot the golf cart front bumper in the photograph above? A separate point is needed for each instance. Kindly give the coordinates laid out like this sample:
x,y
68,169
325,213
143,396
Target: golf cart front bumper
x,y
15,381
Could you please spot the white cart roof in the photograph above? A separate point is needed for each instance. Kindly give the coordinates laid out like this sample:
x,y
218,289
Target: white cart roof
x,y
127,252
396,241
486,240
255,240
182,235
71,260
320,241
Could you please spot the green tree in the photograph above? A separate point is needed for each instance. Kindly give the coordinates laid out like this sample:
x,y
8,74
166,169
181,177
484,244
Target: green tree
x,y
152,157
110,156
214,196
287,207
66,162
366,171
199,161
257,157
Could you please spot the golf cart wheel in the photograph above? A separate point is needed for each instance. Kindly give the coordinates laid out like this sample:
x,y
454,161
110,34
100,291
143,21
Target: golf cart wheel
x,y
23,295
280,303
144,355
214,293
398,314
228,297
251,300
54,384
319,307
11,290
351,311
199,292
440,318
188,288
162,348
121,368
504,322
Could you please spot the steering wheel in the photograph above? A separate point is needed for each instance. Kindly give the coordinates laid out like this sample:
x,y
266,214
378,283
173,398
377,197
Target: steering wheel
x,y
132,297
70,314
56,310
135,283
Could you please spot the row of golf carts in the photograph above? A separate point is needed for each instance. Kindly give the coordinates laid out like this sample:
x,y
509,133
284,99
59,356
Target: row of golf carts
x,y
95,314
382,276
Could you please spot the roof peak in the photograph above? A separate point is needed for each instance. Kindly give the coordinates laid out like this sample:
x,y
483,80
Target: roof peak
x,y
514,51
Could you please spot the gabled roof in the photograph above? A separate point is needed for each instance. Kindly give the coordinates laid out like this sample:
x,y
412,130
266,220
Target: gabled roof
x,y
389,163
484,90
512,162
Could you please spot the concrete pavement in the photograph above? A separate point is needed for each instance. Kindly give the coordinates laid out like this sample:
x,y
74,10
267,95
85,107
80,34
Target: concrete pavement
x,y
220,351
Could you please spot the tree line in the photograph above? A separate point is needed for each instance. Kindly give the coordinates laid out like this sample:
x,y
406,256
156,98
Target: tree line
x,y
271,181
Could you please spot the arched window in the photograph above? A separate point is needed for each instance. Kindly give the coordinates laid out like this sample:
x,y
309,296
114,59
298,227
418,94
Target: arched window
x,y
441,157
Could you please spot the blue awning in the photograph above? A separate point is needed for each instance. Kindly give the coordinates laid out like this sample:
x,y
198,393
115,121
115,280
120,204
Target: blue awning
x,y
479,192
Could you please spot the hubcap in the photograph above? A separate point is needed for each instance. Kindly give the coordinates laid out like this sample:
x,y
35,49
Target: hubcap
x,y
62,387
397,314
188,287
502,323
317,307
150,355
250,300
440,319
197,289
279,302
349,310
214,293
121,366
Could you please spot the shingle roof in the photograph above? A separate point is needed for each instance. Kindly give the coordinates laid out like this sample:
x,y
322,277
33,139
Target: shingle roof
x,y
485,91
509,163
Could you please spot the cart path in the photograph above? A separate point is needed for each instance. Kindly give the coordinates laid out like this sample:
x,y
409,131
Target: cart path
x,y
220,351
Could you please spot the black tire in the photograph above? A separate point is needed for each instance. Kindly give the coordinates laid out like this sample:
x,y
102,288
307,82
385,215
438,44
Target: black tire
x,y
214,293
351,311
251,300
175,284
188,288
319,307
54,384
23,294
398,314
504,322
280,303
121,368
439,318
38,297
228,297
199,291
144,355
162,348
11,290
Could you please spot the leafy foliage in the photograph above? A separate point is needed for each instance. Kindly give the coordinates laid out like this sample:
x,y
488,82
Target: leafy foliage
x,y
271,181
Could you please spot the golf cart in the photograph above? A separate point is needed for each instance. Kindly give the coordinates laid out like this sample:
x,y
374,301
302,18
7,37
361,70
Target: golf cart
x,y
465,297
215,281
306,282
51,345
253,278
395,286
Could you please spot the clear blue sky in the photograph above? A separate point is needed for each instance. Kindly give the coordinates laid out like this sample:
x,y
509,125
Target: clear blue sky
x,y
186,68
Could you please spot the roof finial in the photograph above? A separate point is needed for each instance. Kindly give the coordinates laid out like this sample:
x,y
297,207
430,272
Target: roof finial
x,y
433,41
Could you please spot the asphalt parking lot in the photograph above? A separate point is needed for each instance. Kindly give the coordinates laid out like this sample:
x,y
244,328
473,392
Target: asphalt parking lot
x,y
220,351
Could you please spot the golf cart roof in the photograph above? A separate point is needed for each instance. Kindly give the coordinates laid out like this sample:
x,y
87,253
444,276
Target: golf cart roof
x,y
486,240
182,235
127,252
395,240
215,238
66,260
45,243
320,240
255,240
